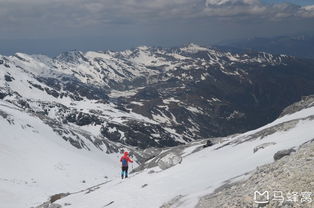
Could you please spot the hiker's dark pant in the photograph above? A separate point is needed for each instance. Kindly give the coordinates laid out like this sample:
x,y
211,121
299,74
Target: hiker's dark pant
x,y
124,171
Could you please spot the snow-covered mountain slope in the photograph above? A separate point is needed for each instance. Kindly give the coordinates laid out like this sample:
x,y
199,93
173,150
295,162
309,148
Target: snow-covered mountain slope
x,y
154,97
79,108
200,170
36,162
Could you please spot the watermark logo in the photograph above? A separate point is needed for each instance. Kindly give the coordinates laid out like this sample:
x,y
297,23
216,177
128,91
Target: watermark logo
x,y
279,196
261,197
306,197
265,197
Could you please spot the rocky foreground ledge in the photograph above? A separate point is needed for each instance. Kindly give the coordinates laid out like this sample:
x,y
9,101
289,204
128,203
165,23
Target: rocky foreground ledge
x,y
286,183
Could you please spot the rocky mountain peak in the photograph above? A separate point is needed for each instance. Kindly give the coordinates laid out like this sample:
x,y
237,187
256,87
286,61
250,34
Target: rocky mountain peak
x,y
73,57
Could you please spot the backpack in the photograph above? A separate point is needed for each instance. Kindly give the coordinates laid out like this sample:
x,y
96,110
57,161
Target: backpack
x,y
124,162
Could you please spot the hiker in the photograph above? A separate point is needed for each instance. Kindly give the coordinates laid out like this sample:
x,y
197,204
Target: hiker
x,y
125,164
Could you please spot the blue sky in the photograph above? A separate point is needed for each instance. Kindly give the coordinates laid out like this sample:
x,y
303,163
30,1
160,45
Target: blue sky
x,y
52,26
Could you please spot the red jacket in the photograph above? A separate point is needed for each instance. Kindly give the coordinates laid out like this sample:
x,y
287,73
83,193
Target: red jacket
x,y
126,159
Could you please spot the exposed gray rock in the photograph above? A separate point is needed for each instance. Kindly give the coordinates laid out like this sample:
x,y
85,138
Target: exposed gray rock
x,y
58,196
48,205
55,206
282,153
151,152
169,160
8,78
306,102
152,156
172,202
208,144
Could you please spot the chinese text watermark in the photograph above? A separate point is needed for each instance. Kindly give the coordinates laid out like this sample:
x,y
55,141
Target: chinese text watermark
x,y
265,197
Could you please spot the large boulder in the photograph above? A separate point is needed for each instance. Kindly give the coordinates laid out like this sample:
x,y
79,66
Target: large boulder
x,y
169,160
150,153
55,206
282,153
209,143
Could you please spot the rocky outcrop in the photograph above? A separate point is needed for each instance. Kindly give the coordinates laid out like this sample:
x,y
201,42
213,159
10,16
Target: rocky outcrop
x,y
209,143
8,78
49,205
3,93
51,202
169,160
306,102
282,153
73,88
288,183
82,119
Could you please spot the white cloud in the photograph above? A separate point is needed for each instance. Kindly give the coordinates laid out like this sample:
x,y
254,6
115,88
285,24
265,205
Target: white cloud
x,y
256,9
210,3
17,14
307,11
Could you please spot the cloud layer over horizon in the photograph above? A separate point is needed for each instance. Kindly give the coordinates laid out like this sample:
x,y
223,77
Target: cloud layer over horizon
x,y
136,18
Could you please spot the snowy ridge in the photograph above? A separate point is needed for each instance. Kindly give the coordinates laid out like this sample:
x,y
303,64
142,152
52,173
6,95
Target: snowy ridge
x,y
106,68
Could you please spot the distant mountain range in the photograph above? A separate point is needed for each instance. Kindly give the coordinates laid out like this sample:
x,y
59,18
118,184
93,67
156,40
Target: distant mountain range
x,y
153,97
299,46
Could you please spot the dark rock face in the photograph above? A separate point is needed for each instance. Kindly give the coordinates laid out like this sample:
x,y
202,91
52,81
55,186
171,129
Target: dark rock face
x,y
73,88
36,86
8,78
139,134
3,94
282,153
227,104
147,93
75,143
208,144
82,119
23,103
52,92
